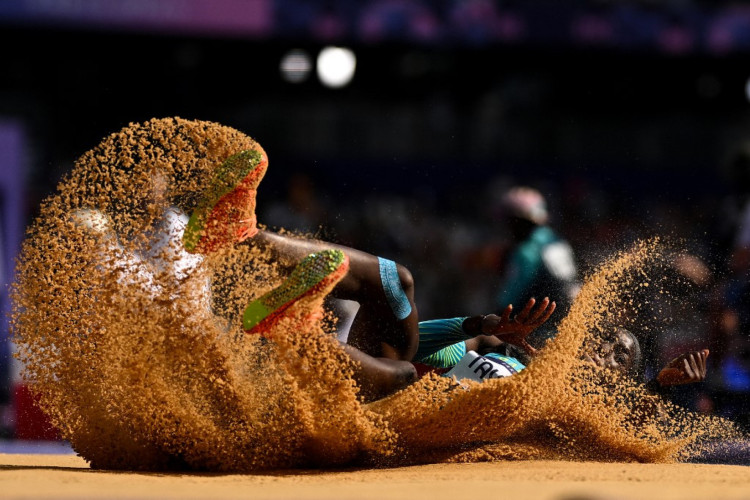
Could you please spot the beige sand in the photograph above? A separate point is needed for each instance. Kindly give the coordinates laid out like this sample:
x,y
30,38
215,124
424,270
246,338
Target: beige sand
x,y
55,476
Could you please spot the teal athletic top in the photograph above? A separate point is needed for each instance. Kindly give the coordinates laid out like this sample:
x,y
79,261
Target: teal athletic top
x,y
541,266
442,344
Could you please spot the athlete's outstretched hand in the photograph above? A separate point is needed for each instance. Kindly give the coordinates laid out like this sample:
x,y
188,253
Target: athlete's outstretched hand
x,y
515,330
684,369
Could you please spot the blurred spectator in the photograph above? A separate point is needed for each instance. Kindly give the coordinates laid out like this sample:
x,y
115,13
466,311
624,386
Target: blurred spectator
x,y
540,263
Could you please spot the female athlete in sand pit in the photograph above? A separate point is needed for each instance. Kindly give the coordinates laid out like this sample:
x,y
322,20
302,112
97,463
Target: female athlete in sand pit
x,y
385,334
453,347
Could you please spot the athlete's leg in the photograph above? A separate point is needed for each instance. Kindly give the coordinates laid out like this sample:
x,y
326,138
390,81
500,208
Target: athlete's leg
x,y
313,279
380,377
226,213
386,324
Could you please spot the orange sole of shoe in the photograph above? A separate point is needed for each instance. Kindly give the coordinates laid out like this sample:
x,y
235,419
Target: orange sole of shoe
x,y
270,322
232,218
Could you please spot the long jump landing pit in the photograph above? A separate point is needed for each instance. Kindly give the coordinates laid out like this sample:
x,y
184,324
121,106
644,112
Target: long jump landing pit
x,y
138,357
68,476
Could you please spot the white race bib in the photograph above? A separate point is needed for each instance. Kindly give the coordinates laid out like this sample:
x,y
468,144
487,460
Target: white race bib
x,y
479,368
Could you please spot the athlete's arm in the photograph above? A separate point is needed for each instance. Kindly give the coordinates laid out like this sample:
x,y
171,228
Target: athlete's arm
x,y
512,330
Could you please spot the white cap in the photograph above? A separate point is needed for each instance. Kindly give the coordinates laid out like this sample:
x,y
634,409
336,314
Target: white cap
x,y
526,203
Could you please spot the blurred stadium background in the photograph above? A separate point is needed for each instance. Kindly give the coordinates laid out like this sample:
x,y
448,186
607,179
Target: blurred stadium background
x,y
630,117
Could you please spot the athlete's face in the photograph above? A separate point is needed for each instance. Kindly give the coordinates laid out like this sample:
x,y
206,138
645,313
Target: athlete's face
x,y
615,351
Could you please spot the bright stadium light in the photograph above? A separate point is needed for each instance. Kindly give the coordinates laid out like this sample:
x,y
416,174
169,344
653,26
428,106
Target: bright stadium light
x,y
295,66
336,66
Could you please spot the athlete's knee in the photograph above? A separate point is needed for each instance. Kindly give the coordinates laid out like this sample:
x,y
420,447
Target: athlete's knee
x,y
404,374
378,378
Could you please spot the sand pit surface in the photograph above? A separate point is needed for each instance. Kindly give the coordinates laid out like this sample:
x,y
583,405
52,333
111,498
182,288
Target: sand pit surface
x,y
56,476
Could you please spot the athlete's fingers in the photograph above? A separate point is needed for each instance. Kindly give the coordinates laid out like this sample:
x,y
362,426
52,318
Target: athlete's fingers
x,y
526,310
551,309
686,368
694,367
539,309
698,365
506,313
545,313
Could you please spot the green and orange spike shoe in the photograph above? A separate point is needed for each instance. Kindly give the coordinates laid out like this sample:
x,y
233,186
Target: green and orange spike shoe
x,y
316,275
226,215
